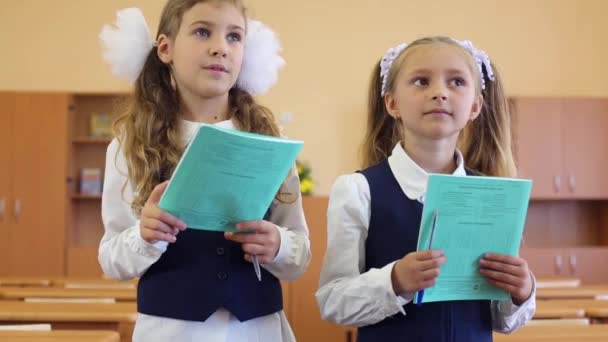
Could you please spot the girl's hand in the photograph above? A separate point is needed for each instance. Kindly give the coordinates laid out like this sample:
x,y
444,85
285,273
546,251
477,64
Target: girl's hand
x,y
509,273
416,271
156,224
259,238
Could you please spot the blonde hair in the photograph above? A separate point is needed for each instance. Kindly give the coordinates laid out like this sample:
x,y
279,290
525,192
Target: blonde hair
x,y
148,128
485,143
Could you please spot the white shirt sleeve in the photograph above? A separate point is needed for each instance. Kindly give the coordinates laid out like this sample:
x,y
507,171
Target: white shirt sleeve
x,y
508,317
347,295
123,254
293,256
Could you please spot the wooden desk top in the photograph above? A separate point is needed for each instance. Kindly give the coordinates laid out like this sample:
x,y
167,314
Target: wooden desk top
x,y
597,312
591,333
72,282
60,336
99,283
591,307
24,281
544,311
557,282
61,292
581,292
67,312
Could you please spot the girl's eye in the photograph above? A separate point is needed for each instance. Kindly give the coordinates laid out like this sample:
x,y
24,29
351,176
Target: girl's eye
x,y
234,37
421,81
459,82
202,32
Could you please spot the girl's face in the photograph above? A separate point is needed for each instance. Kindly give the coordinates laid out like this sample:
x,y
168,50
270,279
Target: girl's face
x,y
207,52
434,94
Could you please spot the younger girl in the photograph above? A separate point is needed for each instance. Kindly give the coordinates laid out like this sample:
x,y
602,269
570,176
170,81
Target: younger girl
x,y
195,285
422,97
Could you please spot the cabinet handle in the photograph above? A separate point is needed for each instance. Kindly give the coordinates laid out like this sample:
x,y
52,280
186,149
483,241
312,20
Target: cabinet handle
x,y
17,210
559,263
557,183
571,183
572,264
2,208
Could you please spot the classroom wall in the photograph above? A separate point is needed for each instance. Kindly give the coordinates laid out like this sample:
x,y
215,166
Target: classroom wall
x,y
542,47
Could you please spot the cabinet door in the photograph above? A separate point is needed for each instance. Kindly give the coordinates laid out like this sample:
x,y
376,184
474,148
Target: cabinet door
x,y
6,167
545,262
39,191
588,264
585,146
305,316
537,140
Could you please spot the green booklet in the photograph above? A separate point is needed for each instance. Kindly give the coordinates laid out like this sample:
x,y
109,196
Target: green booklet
x,y
226,176
471,216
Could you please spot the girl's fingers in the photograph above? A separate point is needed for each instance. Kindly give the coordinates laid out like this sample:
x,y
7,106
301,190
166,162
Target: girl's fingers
x,y
505,259
502,285
259,227
502,267
429,274
154,224
156,235
431,263
254,249
169,219
502,277
247,238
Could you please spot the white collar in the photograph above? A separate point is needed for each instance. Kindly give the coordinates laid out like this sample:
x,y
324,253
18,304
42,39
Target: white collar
x,y
411,177
187,129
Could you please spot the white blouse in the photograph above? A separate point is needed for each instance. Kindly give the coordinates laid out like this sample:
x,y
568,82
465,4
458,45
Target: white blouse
x,y
348,295
123,255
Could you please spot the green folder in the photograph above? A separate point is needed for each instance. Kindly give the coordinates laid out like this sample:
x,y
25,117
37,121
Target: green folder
x,y
474,216
227,176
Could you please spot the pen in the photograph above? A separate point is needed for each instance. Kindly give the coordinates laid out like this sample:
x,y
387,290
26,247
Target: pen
x,y
434,224
254,259
256,267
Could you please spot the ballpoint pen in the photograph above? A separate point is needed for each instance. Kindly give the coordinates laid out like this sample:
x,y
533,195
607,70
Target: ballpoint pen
x,y
256,267
254,259
434,224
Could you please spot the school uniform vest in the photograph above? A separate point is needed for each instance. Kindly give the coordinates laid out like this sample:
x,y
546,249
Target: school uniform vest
x,y
201,272
393,233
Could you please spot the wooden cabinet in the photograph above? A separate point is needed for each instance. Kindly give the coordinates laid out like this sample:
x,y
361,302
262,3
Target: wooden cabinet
x,y
50,228
560,143
84,226
33,158
585,263
585,147
303,314
7,108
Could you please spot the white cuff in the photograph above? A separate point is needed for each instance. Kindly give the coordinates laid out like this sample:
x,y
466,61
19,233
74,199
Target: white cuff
x,y
287,248
399,301
141,246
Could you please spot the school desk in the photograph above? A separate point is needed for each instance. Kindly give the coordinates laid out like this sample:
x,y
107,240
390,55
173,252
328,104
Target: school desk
x,y
570,333
581,292
70,316
24,281
60,336
19,293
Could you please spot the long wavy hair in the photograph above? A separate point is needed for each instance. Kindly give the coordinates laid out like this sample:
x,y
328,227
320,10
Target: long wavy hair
x,y
485,143
147,129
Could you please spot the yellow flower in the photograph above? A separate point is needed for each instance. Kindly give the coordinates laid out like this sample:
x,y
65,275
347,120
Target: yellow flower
x,y
300,170
306,186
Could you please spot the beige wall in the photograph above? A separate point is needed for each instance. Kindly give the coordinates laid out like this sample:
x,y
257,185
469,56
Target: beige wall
x,y
543,47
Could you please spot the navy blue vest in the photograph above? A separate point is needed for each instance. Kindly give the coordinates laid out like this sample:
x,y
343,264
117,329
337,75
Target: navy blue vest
x,y
201,272
393,232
